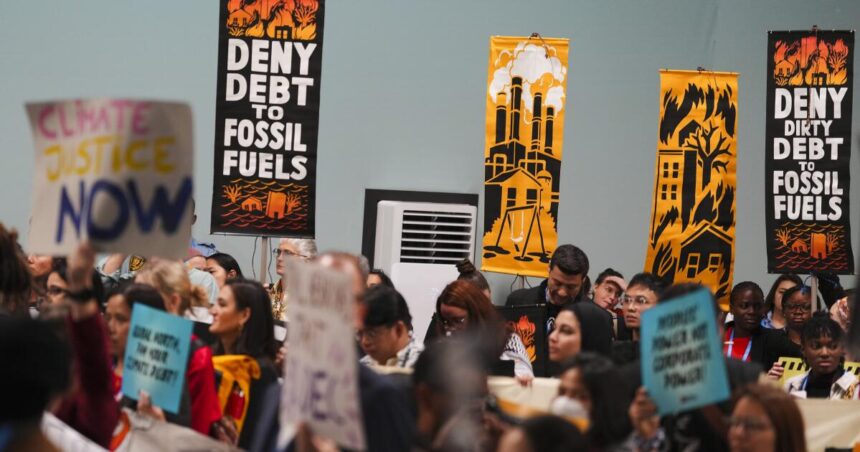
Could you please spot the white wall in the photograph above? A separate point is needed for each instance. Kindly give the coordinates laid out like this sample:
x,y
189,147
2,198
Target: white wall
x,y
402,99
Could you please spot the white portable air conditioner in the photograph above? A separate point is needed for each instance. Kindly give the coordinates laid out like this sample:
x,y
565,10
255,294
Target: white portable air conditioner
x,y
418,245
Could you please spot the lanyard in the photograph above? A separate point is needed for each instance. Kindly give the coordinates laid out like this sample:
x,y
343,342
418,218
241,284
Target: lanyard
x,y
732,343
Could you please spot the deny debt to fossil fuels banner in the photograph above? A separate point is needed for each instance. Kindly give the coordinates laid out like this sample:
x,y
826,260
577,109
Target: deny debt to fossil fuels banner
x,y
809,97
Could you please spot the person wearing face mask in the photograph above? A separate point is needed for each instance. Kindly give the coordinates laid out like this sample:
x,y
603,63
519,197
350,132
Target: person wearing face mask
x,y
824,353
594,382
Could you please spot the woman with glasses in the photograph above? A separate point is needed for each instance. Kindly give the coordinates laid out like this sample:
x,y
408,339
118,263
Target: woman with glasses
x,y
766,419
775,317
463,307
797,308
824,353
296,248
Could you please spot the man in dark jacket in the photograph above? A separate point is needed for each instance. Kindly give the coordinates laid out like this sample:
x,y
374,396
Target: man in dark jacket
x,y
567,283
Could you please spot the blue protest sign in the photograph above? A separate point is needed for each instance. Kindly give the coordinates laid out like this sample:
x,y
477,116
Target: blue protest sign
x,y
156,355
682,367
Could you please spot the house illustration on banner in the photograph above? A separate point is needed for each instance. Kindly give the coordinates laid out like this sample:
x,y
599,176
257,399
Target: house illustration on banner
x,y
691,236
521,192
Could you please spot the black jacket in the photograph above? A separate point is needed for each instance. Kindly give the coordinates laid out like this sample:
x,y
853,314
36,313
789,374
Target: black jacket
x,y
596,323
768,345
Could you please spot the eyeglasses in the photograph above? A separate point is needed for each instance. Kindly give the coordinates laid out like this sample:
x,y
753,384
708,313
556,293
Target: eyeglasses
x,y
640,300
450,324
369,333
805,307
748,424
278,252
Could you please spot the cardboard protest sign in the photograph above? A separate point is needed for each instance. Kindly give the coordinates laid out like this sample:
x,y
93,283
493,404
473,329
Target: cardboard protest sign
x,y
115,172
267,117
322,367
692,231
808,151
682,363
156,355
526,93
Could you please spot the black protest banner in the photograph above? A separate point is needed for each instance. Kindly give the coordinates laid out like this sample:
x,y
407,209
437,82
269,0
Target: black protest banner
x,y
809,92
267,117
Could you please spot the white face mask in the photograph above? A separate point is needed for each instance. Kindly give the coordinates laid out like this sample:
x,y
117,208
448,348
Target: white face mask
x,y
567,407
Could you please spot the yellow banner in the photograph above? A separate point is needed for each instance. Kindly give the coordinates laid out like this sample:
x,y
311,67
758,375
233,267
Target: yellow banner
x,y
526,91
692,233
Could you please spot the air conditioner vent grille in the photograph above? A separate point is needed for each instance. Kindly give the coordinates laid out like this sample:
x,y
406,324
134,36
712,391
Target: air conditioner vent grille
x,y
436,237
424,233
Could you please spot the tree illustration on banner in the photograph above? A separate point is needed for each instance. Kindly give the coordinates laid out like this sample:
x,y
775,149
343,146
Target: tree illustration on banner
x,y
522,157
691,237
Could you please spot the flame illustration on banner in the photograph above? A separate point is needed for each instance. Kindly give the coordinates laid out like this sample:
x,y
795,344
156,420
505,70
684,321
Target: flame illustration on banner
x,y
273,19
522,156
525,329
692,231
811,60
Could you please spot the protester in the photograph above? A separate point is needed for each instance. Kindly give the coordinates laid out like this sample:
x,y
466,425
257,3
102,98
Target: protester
x,y
449,387
567,283
544,434
181,297
223,267
90,408
702,429
242,321
593,381
643,291
775,318
565,341
744,338
40,268
463,307
386,336
378,277
57,287
388,419
608,289
765,419
304,249
797,308
171,280
37,371
16,282
468,272
824,353
118,310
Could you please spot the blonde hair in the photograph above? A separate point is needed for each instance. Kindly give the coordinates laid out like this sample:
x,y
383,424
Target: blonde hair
x,y
171,278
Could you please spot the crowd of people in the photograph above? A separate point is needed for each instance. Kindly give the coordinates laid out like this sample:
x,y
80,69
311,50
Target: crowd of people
x,y
64,325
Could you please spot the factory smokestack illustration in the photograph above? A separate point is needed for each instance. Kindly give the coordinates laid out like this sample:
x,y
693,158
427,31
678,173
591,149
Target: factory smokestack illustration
x,y
550,116
536,120
501,116
516,98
